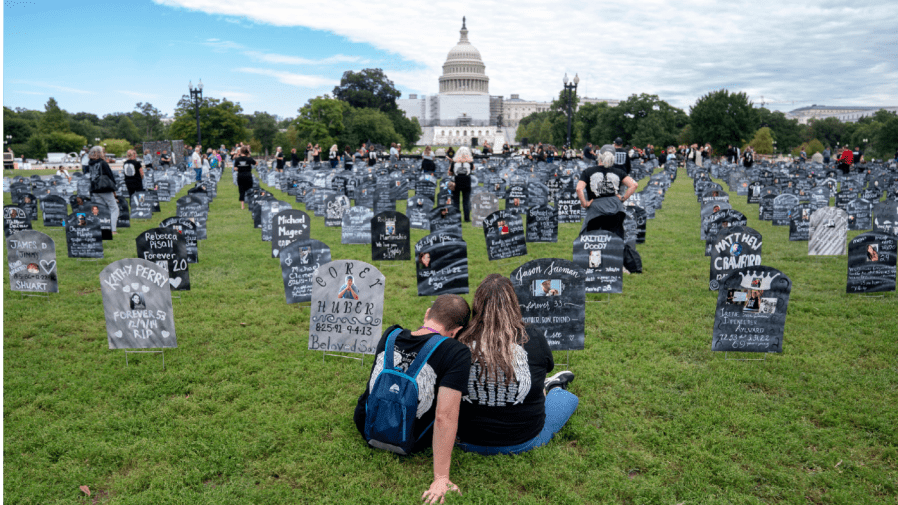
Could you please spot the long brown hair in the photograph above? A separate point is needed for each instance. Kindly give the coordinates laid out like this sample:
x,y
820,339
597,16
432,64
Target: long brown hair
x,y
496,327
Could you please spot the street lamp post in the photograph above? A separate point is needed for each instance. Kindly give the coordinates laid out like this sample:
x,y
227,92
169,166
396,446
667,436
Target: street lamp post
x,y
196,94
569,90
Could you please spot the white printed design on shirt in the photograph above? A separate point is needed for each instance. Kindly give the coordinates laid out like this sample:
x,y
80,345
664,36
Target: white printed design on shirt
x,y
604,184
495,393
426,379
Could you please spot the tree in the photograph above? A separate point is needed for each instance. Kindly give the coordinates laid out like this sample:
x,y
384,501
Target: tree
x,y
321,120
362,125
786,132
639,120
86,129
762,142
829,131
264,127
887,138
722,118
117,147
36,147
220,121
148,120
408,129
54,118
62,142
367,88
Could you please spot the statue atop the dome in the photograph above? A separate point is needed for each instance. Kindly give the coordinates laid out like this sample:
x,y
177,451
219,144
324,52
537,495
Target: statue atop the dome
x,y
463,23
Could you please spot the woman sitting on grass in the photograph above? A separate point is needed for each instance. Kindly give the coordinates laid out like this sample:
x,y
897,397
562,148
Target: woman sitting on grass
x,y
505,411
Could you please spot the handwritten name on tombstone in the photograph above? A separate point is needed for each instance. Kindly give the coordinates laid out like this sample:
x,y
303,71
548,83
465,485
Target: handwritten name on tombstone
x,y
137,305
871,262
601,255
357,226
390,237
751,310
482,205
504,234
886,219
187,229
15,219
445,218
800,223
860,214
765,208
199,214
141,205
417,209
782,209
569,208
299,260
83,236
347,307
828,232
733,248
542,224
334,208
289,226
31,256
168,249
441,261
552,296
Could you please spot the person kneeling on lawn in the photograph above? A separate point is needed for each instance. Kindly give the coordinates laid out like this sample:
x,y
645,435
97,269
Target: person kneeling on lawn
x,y
412,398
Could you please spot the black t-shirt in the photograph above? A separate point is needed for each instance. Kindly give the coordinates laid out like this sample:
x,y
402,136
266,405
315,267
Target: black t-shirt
x,y
164,160
125,169
462,172
587,153
280,160
448,366
493,414
244,166
294,159
601,181
622,160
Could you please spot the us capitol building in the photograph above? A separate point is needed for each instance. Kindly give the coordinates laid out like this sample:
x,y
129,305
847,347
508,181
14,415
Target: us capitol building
x,y
464,112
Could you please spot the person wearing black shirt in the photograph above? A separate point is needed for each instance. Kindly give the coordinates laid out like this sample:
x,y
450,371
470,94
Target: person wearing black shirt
x,y
598,190
587,152
133,173
461,169
244,166
507,410
165,160
347,158
294,158
96,168
621,158
450,153
279,159
441,383
505,150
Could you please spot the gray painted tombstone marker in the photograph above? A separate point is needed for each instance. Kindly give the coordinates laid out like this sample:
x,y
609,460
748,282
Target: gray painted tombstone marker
x,y
482,205
601,254
29,203
504,234
347,307
357,226
828,232
141,206
137,305
390,237
886,220
441,263
569,209
289,226
168,249
15,219
552,296
733,248
83,236
335,206
299,260
32,262
765,207
872,262
418,208
445,218
542,224
751,310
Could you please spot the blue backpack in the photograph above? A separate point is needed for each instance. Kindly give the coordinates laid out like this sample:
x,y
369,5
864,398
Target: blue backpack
x,y
393,401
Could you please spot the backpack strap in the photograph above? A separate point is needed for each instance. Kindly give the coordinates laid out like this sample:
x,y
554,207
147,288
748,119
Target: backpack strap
x,y
424,355
389,345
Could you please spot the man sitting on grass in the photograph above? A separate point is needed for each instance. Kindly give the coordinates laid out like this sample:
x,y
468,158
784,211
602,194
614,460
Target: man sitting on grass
x,y
444,378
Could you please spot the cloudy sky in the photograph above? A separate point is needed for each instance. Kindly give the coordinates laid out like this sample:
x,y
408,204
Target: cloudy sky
x,y
105,56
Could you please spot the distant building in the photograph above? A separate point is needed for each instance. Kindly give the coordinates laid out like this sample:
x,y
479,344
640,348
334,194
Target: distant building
x,y
844,114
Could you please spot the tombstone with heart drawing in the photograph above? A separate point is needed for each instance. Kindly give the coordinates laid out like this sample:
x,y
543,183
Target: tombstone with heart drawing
x,y
32,262
137,305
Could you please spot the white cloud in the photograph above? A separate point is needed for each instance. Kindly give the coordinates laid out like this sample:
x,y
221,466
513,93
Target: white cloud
x,y
236,96
54,86
296,60
299,80
803,51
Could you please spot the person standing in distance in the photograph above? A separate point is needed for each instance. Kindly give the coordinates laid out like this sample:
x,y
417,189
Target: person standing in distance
x,y
279,159
621,158
598,190
133,173
197,161
461,170
244,166
96,168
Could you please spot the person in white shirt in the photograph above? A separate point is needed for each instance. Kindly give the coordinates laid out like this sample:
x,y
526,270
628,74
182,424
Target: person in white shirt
x,y
197,162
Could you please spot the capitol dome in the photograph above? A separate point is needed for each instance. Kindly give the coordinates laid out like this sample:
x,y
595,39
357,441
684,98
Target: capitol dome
x,y
464,72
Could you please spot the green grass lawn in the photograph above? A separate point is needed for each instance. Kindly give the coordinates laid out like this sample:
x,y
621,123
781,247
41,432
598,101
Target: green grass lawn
x,y
244,413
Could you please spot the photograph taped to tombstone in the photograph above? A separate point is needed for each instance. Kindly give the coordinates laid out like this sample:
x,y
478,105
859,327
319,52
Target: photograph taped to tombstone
x,y
299,260
871,263
601,255
734,247
504,234
751,310
441,263
390,237
347,307
137,305
31,256
552,296
83,236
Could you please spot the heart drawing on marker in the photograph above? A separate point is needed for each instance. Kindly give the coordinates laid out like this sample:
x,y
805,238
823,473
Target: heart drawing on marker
x,y
126,289
165,334
175,281
48,266
276,251
118,334
144,288
134,285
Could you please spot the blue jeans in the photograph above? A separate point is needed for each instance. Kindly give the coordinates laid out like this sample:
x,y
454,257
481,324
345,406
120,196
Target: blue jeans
x,y
560,406
199,174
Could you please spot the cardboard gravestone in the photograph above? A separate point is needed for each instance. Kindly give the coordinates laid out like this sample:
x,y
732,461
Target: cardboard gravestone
x,y
843,197
709,213
441,261
800,223
18,190
482,205
141,206
269,216
634,225
569,209
819,197
601,255
32,262
537,194
256,208
137,305
83,236
97,210
782,209
29,203
504,234
153,198
426,186
164,189
383,196
15,219
124,213
552,296
347,307
444,197
828,232
417,209
542,224
357,226
751,310
765,208
334,208
168,249
719,221
871,262
516,198
445,218
55,210
199,214
390,237
299,260
289,226
187,229
860,214
886,219
733,248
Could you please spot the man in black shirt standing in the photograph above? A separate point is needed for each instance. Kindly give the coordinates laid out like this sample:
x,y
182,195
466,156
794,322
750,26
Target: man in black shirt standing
x,y
294,158
279,159
621,158
598,193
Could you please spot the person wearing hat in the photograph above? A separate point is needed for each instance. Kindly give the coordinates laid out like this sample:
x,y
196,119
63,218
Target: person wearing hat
x,y
621,157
